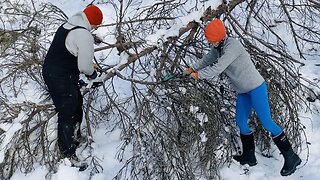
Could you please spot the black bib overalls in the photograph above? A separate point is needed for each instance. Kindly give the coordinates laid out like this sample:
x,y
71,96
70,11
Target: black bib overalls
x,y
61,75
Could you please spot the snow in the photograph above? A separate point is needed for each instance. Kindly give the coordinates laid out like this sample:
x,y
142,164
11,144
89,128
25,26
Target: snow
x,y
66,172
202,118
10,129
38,173
203,137
106,145
269,168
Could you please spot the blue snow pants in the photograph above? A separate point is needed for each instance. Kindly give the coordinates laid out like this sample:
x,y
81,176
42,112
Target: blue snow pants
x,y
258,100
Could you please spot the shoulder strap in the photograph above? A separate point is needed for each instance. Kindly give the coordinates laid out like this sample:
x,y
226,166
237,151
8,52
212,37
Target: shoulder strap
x,y
77,27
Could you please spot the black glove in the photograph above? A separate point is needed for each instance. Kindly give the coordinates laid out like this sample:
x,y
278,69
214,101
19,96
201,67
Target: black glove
x,y
81,84
93,75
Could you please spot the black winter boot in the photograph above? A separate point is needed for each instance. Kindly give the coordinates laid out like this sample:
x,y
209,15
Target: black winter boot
x,y
291,159
75,162
248,151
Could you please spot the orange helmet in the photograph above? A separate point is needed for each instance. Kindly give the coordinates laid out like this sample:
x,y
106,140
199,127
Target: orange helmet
x,y
215,31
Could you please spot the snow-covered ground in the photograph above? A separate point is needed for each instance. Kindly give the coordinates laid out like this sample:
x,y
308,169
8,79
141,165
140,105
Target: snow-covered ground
x,y
107,145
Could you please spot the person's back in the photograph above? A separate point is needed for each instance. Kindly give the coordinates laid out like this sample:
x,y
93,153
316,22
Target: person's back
x,y
242,73
233,60
72,47
70,54
58,59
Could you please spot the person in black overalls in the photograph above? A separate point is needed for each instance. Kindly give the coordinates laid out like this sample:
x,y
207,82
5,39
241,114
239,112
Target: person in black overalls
x,y
70,54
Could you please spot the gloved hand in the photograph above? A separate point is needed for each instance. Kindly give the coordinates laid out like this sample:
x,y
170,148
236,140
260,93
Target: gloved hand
x,y
90,84
93,75
187,72
191,72
195,75
97,68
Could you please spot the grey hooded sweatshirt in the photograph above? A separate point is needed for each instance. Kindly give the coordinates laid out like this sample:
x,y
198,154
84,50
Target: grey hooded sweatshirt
x,y
79,42
235,62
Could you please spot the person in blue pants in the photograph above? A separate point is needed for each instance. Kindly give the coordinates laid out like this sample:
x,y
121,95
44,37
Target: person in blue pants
x,y
258,100
228,56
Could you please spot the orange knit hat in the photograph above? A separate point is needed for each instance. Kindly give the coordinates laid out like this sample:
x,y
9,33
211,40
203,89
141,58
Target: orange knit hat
x,y
94,15
215,31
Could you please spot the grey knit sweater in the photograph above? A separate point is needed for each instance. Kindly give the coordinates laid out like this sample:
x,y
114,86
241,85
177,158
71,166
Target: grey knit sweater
x,y
235,62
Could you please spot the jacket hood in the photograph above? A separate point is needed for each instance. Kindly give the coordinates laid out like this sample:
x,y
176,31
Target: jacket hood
x,y
79,19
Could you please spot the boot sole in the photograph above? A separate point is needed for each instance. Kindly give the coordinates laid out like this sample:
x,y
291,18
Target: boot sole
x,y
293,170
246,162
81,167
249,163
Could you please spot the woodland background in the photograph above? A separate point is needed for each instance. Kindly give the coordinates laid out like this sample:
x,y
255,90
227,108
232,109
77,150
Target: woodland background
x,y
180,129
